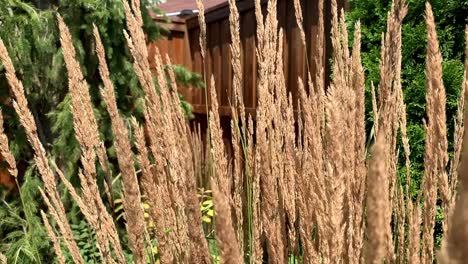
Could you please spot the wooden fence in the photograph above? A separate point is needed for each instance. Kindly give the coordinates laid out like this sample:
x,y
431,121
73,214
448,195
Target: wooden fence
x,y
182,45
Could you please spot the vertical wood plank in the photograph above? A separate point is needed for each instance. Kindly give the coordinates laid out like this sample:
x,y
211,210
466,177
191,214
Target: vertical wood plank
x,y
196,62
183,48
177,58
178,49
151,49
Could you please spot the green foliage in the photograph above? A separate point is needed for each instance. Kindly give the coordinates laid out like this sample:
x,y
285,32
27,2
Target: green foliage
x,y
29,30
451,18
86,240
23,238
31,36
27,34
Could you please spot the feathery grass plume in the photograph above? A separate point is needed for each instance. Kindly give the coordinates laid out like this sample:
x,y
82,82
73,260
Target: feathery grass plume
x,y
27,121
157,127
225,234
414,232
104,230
391,212
284,149
389,68
175,161
201,22
311,181
53,238
390,45
181,162
161,212
132,197
400,100
260,30
399,219
238,175
257,238
300,20
77,79
87,134
3,259
5,152
458,137
335,180
137,45
377,200
386,115
339,56
198,150
156,130
74,252
359,180
453,250
202,42
435,160
320,49
256,241
354,151
137,11
375,110
288,183
236,51
459,129
344,40
340,158
266,159
404,133
154,120
398,205
388,106
238,124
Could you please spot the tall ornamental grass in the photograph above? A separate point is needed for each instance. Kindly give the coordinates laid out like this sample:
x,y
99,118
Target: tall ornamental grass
x,y
301,184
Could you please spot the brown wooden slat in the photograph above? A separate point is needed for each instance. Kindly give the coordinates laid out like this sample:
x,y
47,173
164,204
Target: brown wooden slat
x,y
151,51
197,63
222,12
183,47
223,110
170,48
187,54
179,49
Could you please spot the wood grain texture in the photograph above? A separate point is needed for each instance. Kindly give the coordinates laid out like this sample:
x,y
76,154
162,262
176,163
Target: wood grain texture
x,y
183,48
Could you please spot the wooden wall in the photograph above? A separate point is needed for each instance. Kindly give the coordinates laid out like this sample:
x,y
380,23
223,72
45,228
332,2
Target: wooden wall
x,y
183,47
